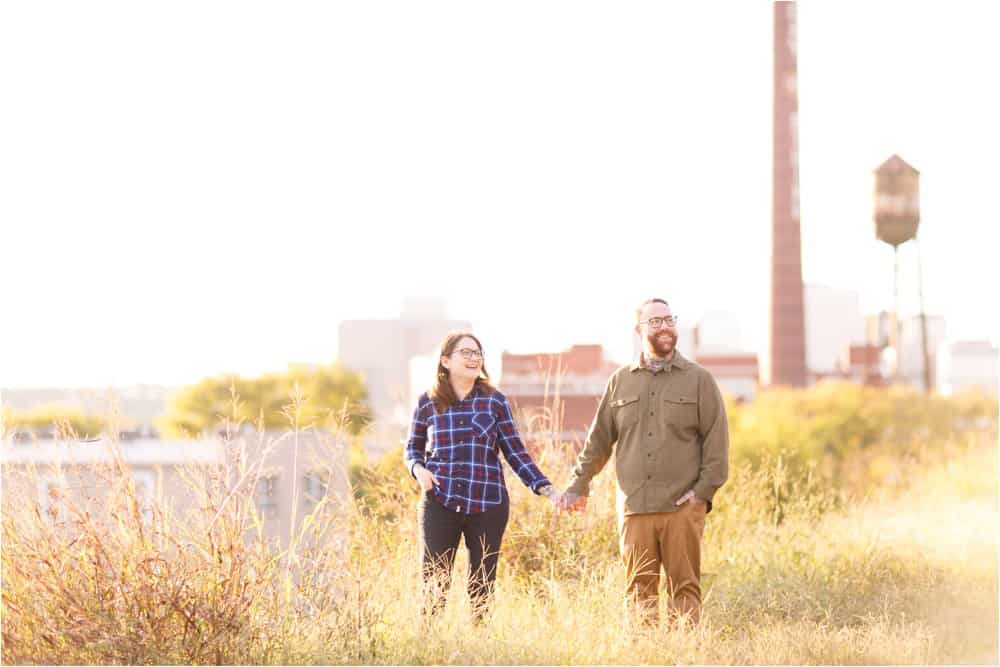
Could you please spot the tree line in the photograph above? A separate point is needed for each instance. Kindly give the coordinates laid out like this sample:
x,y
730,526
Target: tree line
x,y
321,396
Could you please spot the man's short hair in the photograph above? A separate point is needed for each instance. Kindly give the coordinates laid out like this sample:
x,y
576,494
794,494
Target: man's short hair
x,y
638,311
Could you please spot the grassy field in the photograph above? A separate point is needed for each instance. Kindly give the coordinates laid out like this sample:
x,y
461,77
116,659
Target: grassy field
x,y
882,549
910,579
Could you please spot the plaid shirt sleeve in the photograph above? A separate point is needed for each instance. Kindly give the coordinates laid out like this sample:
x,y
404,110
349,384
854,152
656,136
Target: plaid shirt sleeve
x,y
513,449
416,442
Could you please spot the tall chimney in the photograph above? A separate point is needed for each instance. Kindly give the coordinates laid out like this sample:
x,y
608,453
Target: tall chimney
x,y
787,348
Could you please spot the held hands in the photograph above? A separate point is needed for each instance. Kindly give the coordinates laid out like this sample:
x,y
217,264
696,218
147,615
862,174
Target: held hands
x,y
571,502
425,477
550,492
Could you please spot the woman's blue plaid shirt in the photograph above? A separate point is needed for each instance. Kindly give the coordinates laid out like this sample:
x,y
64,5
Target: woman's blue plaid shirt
x,y
464,443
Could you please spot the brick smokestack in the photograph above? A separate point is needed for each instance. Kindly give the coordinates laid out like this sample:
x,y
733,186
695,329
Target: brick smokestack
x,y
787,347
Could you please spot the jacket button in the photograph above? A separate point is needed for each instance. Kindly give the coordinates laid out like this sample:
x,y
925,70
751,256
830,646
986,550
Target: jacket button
x,y
651,433
649,477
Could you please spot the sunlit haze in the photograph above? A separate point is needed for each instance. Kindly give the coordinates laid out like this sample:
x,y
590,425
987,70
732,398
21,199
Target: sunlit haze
x,y
189,188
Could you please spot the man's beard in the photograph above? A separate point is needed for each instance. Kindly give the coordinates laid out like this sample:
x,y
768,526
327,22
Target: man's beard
x,y
661,348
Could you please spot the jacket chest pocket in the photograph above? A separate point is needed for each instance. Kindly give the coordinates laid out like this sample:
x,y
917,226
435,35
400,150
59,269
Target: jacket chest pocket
x,y
484,426
625,412
680,412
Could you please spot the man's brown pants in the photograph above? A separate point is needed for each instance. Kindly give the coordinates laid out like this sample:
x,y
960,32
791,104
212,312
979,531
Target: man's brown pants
x,y
671,540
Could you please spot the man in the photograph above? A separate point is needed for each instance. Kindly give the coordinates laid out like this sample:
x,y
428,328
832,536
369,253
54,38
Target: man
x,y
666,420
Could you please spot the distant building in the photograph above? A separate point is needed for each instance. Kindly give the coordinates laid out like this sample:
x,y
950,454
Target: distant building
x,y
162,470
861,364
381,350
965,365
556,394
833,323
422,370
912,351
738,375
878,332
716,345
716,332
878,328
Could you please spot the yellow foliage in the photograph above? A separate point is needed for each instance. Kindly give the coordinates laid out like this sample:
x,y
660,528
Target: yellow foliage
x,y
325,396
61,420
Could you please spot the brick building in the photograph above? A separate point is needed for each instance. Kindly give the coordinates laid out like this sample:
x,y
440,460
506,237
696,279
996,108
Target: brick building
x,y
862,364
555,394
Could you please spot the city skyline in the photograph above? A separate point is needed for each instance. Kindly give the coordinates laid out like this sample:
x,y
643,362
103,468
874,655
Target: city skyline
x,y
396,370
841,323
174,214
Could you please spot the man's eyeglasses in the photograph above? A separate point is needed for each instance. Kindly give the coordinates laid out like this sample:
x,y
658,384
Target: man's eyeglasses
x,y
470,354
657,322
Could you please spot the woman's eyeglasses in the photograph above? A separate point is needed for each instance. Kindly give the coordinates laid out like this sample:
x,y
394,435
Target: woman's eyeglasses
x,y
470,354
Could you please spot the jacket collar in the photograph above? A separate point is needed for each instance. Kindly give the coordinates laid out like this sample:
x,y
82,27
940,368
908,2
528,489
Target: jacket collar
x,y
677,361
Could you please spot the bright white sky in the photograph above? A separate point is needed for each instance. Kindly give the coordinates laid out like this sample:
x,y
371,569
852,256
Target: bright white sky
x,y
193,187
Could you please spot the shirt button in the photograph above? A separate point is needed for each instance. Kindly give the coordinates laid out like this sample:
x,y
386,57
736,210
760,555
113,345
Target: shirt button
x,y
649,477
650,414
651,433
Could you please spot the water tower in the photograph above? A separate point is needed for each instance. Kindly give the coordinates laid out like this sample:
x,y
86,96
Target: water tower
x,y
897,218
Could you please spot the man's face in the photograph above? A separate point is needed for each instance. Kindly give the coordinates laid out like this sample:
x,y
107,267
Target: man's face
x,y
661,340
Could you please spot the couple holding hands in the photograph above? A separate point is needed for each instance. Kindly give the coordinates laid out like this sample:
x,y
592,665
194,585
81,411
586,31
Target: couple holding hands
x,y
662,415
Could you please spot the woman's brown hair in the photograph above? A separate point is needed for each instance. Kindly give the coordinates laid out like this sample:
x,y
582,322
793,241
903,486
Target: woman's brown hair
x,y
442,393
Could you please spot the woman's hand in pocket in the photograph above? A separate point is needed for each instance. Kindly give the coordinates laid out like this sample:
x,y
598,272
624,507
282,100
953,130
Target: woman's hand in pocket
x,y
425,477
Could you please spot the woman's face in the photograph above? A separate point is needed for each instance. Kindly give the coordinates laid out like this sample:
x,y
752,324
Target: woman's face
x,y
465,361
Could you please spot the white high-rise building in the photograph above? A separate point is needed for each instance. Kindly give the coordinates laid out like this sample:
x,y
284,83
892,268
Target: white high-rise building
x,y
911,347
717,332
963,365
382,350
833,322
422,369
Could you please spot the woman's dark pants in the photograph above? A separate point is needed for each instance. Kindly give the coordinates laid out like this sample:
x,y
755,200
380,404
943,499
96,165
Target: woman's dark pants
x,y
442,528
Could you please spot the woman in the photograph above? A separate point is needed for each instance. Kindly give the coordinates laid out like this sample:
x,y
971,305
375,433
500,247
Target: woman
x,y
467,423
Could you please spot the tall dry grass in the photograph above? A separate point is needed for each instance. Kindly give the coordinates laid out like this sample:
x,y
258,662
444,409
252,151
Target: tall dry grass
x,y
836,541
